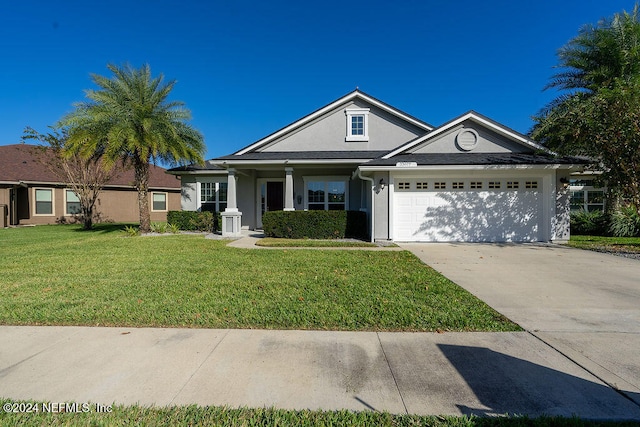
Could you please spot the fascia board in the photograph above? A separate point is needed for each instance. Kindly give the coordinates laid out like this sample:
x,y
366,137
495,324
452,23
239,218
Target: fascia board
x,y
326,109
256,163
469,116
462,167
198,172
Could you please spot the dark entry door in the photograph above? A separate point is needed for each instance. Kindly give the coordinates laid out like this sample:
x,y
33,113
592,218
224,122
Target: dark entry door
x,y
275,196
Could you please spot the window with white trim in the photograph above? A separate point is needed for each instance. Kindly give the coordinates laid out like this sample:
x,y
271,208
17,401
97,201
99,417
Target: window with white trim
x,y
404,185
43,201
586,195
422,185
513,185
328,194
158,202
531,185
357,124
71,203
440,185
213,196
475,185
458,185
493,185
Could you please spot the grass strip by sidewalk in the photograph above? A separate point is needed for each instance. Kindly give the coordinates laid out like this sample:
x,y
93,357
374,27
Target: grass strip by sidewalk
x,y
629,245
272,242
60,275
222,416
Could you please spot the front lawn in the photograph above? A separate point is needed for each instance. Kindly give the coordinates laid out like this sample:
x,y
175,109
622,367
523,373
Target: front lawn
x,y
274,242
625,245
222,416
60,275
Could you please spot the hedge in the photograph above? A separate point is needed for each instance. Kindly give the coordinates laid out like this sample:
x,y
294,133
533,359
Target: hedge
x,y
315,224
195,221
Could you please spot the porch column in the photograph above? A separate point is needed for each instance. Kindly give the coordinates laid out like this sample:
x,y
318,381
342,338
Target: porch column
x,y
232,204
288,190
231,217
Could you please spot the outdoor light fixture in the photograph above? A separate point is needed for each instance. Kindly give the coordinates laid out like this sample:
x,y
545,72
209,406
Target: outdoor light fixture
x,y
564,181
382,183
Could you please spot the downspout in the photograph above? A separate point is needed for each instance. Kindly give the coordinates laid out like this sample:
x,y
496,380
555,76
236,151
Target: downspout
x,y
373,194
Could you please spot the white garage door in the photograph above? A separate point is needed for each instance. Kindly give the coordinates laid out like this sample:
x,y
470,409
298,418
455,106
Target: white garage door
x,y
482,210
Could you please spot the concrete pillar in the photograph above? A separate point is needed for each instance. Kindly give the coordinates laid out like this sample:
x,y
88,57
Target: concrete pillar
x,y
288,190
232,204
231,217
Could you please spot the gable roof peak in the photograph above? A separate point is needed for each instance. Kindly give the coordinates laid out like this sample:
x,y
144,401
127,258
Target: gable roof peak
x,y
349,97
479,118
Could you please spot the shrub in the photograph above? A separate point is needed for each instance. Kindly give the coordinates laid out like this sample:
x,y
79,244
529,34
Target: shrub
x,y
625,222
159,227
131,231
194,221
589,223
315,224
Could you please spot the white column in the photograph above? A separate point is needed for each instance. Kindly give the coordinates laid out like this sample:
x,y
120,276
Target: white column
x,y
288,190
232,204
231,218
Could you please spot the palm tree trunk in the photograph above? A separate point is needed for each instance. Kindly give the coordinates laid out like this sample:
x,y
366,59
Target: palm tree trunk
x,y
142,183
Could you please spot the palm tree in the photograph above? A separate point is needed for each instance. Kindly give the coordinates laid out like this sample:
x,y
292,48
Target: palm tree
x,y
129,119
597,112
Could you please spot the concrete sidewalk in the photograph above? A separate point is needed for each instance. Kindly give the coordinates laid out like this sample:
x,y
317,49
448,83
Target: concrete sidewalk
x,y
418,373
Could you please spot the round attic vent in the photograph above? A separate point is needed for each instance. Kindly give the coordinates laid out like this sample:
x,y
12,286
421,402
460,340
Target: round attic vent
x,y
467,139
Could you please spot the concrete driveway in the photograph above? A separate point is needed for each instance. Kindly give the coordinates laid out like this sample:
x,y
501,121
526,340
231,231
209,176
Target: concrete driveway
x,y
584,304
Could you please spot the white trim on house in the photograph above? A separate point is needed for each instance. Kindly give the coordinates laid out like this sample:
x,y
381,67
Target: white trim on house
x,y
64,192
326,179
53,201
351,113
259,183
478,119
166,201
210,180
332,106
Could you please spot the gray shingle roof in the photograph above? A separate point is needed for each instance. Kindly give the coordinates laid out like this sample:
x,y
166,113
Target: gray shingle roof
x,y
303,155
435,159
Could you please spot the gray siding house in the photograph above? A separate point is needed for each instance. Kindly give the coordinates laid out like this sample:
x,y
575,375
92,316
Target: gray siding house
x,y
470,180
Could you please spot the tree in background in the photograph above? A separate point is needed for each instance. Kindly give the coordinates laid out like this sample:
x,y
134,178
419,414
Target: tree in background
x,y
598,115
129,119
84,175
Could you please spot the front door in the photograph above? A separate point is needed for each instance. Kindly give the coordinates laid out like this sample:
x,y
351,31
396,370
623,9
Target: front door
x,y
271,198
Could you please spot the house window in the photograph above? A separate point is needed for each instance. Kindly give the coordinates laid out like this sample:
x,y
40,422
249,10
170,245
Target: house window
x,y
586,196
531,185
44,201
158,202
357,124
404,185
513,185
329,195
72,203
494,185
422,185
213,196
457,185
440,185
475,185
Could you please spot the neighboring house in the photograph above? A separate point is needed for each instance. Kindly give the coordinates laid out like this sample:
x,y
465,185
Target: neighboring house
x,y
471,179
30,193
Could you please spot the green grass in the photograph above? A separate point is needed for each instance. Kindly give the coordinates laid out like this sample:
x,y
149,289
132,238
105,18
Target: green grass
x,y
612,244
222,416
60,275
273,242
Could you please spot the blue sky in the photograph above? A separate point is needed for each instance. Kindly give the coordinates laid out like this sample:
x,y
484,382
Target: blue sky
x,y
247,68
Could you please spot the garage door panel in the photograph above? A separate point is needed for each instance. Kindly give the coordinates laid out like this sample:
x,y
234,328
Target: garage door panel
x,y
475,216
